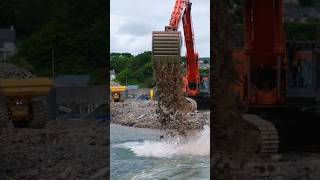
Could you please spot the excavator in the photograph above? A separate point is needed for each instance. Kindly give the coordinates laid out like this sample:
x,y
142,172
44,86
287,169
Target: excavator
x,y
166,47
264,70
261,66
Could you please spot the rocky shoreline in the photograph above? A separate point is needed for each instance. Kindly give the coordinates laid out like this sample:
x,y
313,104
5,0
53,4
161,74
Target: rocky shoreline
x,y
142,114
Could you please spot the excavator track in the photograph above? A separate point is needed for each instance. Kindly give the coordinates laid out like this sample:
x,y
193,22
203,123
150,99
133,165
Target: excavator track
x,y
269,144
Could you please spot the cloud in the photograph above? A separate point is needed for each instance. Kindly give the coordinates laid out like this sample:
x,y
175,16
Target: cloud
x,y
131,24
135,29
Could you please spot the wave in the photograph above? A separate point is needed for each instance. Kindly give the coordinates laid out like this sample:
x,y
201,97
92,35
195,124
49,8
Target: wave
x,y
197,145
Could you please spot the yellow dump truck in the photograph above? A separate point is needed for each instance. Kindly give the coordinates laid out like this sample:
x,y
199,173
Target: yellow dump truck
x,y
20,102
117,93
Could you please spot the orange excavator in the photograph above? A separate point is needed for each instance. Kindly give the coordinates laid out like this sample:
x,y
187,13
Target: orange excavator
x,y
261,65
265,69
166,46
264,53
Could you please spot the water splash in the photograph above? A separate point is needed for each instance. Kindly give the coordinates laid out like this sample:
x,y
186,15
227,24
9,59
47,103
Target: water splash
x,y
198,145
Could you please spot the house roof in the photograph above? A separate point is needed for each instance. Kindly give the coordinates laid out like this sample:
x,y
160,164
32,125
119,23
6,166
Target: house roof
x,y
7,35
72,80
131,87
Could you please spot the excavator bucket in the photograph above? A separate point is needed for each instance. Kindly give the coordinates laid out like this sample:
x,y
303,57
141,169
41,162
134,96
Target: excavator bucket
x,y
166,45
168,77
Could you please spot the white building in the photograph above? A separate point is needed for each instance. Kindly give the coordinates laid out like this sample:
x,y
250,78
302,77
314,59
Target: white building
x,y
112,75
7,43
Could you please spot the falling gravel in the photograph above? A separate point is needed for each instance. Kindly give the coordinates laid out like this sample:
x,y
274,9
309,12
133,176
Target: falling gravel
x,y
173,106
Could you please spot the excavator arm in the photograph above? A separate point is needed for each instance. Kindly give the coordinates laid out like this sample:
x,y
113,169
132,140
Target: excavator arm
x,y
176,15
172,85
182,11
192,75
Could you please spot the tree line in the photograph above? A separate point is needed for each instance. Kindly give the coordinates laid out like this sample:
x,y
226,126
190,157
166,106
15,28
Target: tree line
x,y
138,70
72,33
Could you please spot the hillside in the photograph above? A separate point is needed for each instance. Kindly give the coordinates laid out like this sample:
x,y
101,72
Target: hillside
x,y
73,33
137,69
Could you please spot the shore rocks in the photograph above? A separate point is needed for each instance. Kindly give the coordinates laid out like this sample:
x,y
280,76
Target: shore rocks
x,y
12,71
143,114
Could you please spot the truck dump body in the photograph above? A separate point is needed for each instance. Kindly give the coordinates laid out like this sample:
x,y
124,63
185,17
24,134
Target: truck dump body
x,y
25,87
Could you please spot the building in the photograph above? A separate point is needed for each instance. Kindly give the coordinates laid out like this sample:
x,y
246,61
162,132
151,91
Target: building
x,y
72,81
112,75
7,43
291,1
204,63
295,12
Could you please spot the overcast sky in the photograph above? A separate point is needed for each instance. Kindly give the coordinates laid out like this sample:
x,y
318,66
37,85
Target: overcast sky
x,y
132,23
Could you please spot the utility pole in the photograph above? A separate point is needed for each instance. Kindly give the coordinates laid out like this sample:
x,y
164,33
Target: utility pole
x,y
52,62
126,80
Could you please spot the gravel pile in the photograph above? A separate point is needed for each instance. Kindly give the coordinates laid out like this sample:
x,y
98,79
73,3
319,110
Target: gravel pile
x,y
12,71
290,166
72,149
143,114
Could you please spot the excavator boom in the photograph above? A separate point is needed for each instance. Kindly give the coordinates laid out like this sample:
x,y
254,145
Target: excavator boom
x,y
163,43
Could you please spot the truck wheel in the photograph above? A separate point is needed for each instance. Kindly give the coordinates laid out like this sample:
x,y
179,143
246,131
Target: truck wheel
x,y
4,116
39,115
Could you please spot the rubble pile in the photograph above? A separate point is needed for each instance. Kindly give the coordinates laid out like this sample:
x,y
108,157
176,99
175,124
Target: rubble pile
x,y
143,114
12,71
70,149
288,166
134,113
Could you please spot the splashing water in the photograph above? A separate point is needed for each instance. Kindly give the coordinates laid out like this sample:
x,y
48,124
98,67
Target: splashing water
x,y
198,145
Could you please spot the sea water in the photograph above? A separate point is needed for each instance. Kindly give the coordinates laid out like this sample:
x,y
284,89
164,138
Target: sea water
x,y
139,153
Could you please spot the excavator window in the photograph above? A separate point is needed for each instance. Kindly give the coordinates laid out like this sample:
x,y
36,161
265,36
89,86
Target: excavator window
x,y
193,86
264,78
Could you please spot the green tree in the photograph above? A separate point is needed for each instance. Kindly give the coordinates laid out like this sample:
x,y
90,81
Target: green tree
x,y
301,31
74,32
133,69
306,3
